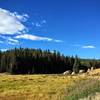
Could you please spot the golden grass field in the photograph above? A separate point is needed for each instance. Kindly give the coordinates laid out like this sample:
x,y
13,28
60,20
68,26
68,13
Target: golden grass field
x,y
49,87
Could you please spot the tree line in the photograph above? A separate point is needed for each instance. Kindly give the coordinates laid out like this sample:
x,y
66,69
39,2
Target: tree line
x,y
37,61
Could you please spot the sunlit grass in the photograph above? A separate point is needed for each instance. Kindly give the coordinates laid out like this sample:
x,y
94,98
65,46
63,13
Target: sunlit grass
x,y
82,89
47,87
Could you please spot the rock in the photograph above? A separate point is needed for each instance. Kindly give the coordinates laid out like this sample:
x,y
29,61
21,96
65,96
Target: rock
x,y
88,70
92,68
73,73
68,72
81,71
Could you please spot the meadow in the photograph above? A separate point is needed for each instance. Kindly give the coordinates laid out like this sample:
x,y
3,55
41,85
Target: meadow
x,y
49,87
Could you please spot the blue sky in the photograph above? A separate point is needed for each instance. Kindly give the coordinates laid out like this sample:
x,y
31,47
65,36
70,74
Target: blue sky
x,y
68,26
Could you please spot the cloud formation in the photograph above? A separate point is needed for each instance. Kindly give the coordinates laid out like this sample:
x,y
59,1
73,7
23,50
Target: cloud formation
x,y
35,38
10,23
3,49
58,41
13,28
88,47
84,46
32,37
9,40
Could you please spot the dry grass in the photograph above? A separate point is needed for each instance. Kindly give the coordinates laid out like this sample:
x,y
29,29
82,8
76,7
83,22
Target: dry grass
x,y
40,87
37,87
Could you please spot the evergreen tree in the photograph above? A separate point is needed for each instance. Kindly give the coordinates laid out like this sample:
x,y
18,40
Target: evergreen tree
x,y
36,61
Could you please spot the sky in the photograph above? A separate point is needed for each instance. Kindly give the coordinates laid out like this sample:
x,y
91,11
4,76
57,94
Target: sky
x,y
69,26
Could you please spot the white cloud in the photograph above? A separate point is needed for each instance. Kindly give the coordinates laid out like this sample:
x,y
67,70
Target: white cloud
x,y
12,43
38,25
23,17
12,28
84,46
35,38
58,41
3,49
9,40
32,37
10,23
13,40
88,47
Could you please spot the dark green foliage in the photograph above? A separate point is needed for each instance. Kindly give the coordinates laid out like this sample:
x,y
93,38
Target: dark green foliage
x,y
29,61
36,61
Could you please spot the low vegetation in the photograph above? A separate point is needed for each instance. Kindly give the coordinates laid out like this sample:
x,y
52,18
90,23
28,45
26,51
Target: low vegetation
x,y
49,87
82,89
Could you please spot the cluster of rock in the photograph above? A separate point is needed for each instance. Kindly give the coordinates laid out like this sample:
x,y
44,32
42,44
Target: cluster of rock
x,y
69,72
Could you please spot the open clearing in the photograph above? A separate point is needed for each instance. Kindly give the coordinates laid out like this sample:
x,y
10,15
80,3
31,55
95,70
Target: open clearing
x,y
49,87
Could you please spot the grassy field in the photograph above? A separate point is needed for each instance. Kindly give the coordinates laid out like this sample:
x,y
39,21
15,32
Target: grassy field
x,y
49,87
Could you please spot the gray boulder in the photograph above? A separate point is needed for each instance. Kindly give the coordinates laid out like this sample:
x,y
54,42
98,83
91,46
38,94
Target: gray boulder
x,y
68,72
81,71
73,73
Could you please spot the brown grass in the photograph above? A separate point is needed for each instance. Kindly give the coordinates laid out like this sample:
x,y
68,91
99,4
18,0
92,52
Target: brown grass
x,y
43,87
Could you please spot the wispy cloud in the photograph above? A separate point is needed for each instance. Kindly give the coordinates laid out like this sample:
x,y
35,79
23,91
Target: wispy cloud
x,y
58,41
9,40
13,40
11,23
32,37
84,46
35,38
13,28
22,18
3,49
38,25
12,43
88,47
